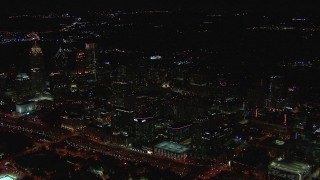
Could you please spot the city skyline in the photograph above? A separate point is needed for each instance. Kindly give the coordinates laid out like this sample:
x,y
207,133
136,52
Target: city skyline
x,y
265,6
159,90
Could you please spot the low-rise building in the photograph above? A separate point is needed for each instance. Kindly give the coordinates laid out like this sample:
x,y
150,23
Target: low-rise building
x,y
25,107
171,150
288,169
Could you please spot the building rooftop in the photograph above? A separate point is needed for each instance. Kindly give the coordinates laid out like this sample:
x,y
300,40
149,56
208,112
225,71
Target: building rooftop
x,y
180,125
172,147
143,120
290,166
275,143
25,103
7,177
35,50
22,76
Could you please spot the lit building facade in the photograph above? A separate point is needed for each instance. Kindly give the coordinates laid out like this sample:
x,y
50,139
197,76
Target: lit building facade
x,y
80,64
122,120
285,169
276,92
60,62
37,68
171,150
72,122
26,107
179,131
91,53
23,86
143,129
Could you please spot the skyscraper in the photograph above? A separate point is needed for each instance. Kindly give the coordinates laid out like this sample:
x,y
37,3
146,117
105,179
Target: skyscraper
x,y
59,73
143,129
91,60
276,92
37,68
80,64
60,62
22,83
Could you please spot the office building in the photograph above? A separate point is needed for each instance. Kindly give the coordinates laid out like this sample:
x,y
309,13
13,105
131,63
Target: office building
x,y
72,122
179,131
80,64
25,107
288,169
143,129
171,150
37,68
122,121
91,53
276,92
60,61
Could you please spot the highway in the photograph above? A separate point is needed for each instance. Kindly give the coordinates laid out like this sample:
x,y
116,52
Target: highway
x,y
88,144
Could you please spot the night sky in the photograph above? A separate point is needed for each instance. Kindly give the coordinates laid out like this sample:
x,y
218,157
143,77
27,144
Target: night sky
x,y
261,6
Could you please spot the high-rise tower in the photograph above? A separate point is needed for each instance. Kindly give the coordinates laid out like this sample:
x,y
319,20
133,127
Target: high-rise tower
x,y
59,73
91,60
60,62
276,92
80,64
37,68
